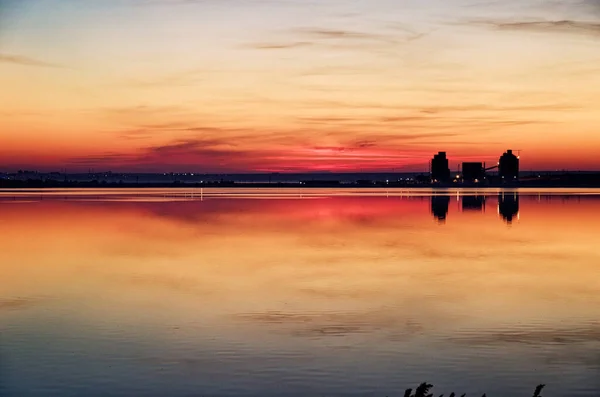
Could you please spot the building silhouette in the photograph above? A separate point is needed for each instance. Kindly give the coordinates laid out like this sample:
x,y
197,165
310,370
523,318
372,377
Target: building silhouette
x,y
508,166
440,171
439,207
508,206
473,172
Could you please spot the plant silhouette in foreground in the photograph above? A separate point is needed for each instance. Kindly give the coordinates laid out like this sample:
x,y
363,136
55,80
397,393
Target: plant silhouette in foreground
x,y
424,391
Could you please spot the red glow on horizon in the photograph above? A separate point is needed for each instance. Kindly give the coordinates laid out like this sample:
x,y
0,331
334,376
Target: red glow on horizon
x,y
285,160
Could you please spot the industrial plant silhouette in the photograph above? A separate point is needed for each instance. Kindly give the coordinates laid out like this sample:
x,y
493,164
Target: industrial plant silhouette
x,y
474,172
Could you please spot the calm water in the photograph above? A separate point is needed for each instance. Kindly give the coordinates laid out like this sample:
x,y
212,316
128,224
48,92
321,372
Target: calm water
x,y
298,292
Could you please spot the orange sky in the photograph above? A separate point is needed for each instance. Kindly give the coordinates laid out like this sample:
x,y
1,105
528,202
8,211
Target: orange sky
x,y
213,86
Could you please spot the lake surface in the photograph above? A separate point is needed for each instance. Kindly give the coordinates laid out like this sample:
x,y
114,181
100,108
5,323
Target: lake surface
x,y
299,292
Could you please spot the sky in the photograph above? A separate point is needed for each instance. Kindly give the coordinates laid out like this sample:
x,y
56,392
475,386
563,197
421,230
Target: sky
x,y
297,85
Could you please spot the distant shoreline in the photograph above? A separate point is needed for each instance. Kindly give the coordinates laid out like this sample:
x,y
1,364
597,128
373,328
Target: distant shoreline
x,y
14,185
28,179
387,180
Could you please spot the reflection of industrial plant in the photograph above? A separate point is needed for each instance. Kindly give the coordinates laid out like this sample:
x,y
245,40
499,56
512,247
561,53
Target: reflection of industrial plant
x,y
475,172
473,203
508,205
439,207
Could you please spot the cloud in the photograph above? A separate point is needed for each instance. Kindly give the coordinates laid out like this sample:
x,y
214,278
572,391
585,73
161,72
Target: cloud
x,y
144,121
180,79
221,152
102,159
281,46
380,138
143,110
25,61
365,143
342,34
210,153
580,17
489,108
194,146
431,122
562,26
340,39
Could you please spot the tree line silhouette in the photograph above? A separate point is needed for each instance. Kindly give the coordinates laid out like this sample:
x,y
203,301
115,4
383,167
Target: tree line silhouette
x,y
424,390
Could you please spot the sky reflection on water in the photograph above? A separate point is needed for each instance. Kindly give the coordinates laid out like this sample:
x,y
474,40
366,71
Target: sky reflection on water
x,y
339,294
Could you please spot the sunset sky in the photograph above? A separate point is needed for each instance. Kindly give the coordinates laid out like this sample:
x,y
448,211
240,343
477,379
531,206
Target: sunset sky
x,y
297,85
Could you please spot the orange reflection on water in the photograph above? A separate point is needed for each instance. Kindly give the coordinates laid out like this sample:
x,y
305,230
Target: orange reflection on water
x,y
385,257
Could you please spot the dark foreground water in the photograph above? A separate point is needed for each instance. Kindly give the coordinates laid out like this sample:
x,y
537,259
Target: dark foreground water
x,y
298,292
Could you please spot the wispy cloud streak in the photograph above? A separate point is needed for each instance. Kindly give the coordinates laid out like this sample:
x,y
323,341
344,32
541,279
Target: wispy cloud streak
x,y
562,26
26,61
